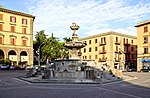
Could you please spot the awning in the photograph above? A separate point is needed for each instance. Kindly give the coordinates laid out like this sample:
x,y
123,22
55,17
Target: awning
x,y
148,61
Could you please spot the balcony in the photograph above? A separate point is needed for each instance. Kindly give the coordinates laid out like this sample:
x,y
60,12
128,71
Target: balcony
x,y
126,44
102,52
103,59
102,43
117,42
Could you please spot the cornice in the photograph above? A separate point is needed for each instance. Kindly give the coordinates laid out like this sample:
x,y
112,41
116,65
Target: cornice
x,y
16,13
108,33
143,23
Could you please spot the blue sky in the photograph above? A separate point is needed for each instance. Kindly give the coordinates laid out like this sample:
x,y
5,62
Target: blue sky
x,y
93,16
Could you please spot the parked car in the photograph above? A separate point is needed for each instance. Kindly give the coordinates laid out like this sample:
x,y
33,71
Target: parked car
x,y
131,69
12,67
145,70
29,67
4,66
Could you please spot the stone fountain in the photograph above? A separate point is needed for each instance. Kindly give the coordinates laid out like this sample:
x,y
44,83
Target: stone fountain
x,y
72,70
73,67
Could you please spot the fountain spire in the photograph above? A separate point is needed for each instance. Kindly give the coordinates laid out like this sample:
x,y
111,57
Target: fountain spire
x,y
74,45
74,27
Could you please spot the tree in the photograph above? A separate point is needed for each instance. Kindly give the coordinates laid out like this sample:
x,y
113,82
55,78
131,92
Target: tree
x,y
51,48
66,39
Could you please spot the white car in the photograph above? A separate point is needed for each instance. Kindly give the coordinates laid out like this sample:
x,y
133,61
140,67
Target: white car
x,y
4,66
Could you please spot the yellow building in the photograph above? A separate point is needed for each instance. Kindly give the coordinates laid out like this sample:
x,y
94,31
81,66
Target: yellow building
x,y
111,49
143,37
16,36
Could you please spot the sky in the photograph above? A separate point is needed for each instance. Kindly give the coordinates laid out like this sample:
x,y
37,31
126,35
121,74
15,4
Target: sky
x,y
93,16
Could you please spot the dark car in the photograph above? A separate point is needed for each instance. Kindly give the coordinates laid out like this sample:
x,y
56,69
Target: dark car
x,y
145,70
4,66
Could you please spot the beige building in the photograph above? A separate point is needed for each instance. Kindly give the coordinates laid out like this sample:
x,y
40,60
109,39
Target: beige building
x,y
112,49
16,36
143,37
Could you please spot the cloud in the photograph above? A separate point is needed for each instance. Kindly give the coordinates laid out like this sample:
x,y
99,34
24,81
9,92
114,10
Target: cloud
x,y
93,16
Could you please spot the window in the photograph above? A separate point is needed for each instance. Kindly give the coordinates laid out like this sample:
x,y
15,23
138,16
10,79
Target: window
x,y
12,41
84,50
24,21
85,57
89,41
146,29
95,48
1,16
145,50
95,56
13,19
132,41
90,49
12,28
145,39
132,49
24,42
116,48
1,40
116,39
103,49
89,56
1,27
124,40
127,41
95,40
24,30
103,40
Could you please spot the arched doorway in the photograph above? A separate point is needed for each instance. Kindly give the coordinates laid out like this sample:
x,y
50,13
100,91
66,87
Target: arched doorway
x,y
1,54
23,58
13,57
1,57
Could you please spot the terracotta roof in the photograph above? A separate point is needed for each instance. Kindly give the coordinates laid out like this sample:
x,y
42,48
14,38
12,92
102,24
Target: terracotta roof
x,y
15,12
108,33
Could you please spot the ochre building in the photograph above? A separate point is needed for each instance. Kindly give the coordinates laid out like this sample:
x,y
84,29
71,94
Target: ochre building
x,y
111,49
16,36
143,37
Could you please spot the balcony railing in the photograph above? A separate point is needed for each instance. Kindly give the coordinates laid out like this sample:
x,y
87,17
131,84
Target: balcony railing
x,y
117,42
103,59
102,52
102,43
126,44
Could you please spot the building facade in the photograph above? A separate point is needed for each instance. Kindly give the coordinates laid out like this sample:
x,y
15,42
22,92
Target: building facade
x,y
143,37
112,49
16,36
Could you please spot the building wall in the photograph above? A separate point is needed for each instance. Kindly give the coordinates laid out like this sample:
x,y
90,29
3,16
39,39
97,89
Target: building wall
x,y
141,33
111,55
6,34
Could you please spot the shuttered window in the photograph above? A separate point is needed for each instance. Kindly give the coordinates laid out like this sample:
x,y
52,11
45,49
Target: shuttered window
x,y
1,41
1,16
12,28
24,21
24,30
13,19
146,29
1,27
12,41
24,42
